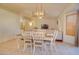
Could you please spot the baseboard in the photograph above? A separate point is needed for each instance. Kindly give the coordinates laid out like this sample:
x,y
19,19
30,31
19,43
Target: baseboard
x,y
5,39
59,40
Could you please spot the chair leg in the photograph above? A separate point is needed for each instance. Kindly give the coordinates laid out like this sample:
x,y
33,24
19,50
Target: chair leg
x,y
18,46
33,50
24,46
54,47
51,47
42,48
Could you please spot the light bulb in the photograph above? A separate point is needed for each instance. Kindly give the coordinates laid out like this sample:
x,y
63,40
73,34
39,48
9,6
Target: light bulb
x,y
30,23
40,17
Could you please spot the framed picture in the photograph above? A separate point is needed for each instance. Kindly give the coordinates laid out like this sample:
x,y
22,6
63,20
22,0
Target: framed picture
x,y
44,26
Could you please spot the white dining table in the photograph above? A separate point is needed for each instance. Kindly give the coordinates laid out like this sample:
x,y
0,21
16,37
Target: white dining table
x,y
47,36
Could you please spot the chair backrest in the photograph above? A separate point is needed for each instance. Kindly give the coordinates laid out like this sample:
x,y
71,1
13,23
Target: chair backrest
x,y
38,35
27,35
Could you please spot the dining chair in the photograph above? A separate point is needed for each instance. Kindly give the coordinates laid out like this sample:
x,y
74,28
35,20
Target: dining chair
x,y
20,42
38,41
27,40
50,38
53,43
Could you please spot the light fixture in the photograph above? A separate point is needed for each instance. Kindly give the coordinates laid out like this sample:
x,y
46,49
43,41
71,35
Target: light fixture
x,y
30,23
39,12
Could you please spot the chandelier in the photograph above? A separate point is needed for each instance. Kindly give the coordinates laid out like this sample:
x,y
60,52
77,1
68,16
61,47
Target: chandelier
x,y
39,12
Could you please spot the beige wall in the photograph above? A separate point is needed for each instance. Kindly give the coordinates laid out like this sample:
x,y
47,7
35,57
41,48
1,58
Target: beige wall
x,y
52,23
36,23
9,24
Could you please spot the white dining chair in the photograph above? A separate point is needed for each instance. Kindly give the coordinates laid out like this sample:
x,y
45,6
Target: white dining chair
x,y
53,43
38,41
51,40
20,42
27,40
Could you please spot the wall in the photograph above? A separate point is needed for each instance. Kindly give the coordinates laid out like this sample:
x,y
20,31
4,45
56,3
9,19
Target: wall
x,y
52,23
9,24
62,23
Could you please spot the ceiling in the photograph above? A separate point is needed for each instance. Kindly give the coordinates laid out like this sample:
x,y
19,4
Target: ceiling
x,y
26,9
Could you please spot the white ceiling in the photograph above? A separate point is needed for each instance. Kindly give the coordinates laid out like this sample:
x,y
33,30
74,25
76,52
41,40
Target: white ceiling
x,y
26,9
